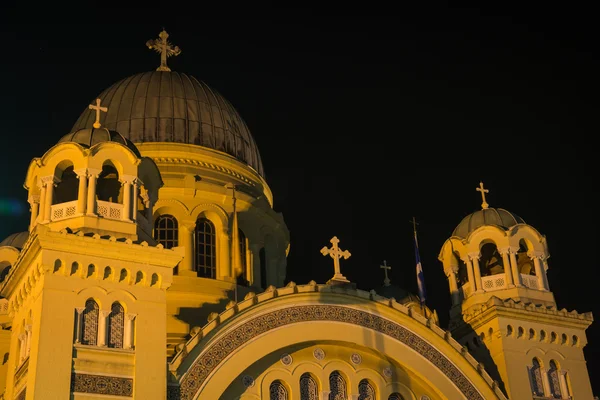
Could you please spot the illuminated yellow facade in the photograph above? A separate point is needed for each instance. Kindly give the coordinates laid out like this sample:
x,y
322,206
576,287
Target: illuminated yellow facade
x,y
154,268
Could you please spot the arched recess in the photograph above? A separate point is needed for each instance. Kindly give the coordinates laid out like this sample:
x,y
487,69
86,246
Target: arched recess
x,y
269,327
68,183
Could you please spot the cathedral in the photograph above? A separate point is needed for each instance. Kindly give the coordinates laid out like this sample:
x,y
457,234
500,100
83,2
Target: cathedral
x,y
154,268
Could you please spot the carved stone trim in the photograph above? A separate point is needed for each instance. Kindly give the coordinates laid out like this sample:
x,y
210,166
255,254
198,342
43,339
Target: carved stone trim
x,y
99,384
217,351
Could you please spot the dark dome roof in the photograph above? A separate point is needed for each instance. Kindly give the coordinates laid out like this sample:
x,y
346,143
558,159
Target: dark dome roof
x,y
87,137
16,240
487,216
401,295
160,106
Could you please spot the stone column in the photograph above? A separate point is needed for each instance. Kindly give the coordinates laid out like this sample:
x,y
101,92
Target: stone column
x,y
476,271
128,331
224,257
135,201
27,340
127,200
539,272
453,287
186,240
82,190
470,276
79,324
515,267
564,388
545,269
49,182
545,381
507,267
102,316
42,208
34,202
22,347
91,193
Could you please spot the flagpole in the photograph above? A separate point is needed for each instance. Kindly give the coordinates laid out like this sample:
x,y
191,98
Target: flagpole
x,y
418,259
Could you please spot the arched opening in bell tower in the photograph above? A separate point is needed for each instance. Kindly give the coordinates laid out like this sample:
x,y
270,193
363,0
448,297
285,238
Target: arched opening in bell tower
x,y
524,262
66,189
109,187
491,262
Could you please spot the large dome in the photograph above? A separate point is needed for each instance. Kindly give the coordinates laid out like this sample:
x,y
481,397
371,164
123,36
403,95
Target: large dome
x,y
487,216
161,106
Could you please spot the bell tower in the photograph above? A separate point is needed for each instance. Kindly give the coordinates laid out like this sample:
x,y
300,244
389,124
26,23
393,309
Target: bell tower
x,y
504,312
85,289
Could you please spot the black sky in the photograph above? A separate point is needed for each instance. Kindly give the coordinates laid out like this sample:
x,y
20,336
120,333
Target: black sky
x,y
364,119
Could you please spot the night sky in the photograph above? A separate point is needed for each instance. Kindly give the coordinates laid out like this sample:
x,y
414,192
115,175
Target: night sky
x,y
363,121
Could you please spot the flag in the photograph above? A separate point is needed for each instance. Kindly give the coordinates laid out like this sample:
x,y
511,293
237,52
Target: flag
x,y
420,276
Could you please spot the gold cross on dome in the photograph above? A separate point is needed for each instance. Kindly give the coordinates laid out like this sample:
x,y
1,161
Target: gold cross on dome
x,y
483,191
165,48
336,253
386,281
98,109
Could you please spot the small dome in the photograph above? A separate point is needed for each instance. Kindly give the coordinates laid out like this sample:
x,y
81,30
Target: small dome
x,y
88,137
160,106
488,216
16,240
400,295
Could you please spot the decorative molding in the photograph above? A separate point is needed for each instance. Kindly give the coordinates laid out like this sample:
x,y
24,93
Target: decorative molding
x,y
98,384
356,358
205,165
319,354
217,351
247,381
286,359
387,372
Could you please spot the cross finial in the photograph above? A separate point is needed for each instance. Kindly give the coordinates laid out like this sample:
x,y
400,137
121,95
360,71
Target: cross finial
x,y
98,109
165,48
483,191
336,253
386,281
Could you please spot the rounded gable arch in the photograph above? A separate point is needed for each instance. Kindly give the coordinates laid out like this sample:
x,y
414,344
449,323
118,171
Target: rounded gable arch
x,y
121,157
486,234
530,235
213,212
227,349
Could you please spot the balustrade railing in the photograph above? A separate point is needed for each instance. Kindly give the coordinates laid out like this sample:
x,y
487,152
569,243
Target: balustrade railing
x,y
493,282
109,210
63,210
530,281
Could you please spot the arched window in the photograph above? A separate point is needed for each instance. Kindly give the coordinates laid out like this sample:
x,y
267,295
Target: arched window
x,y
277,391
90,323
554,380
309,390
166,231
395,396
116,320
263,268
242,279
337,386
535,372
206,264
366,391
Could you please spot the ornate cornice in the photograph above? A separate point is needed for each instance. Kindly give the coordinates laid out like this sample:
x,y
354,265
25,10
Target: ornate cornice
x,y
215,167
